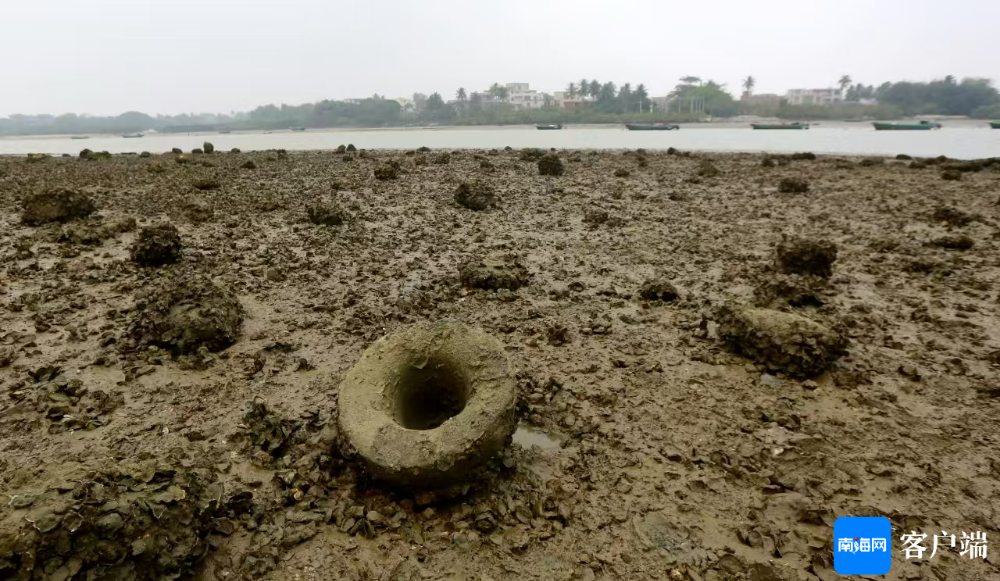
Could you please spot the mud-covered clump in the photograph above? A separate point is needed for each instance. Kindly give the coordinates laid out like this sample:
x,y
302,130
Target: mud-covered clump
x,y
768,162
248,164
197,211
531,154
952,216
87,154
350,147
793,186
658,290
782,342
205,184
951,175
791,290
475,195
795,255
707,169
326,214
954,242
550,165
803,156
59,205
443,158
208,147
87,233
387,171
157,245
594,217
493,274
183,313
176,150
135,522
622,173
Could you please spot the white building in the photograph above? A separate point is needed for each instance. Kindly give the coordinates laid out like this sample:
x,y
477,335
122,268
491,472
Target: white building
x,y
813,96
562,101
522,97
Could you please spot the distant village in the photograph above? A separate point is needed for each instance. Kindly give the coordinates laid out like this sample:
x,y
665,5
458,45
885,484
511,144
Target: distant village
x,y
520,96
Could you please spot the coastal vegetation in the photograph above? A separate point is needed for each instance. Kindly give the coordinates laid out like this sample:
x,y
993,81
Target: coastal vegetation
x,y
593,101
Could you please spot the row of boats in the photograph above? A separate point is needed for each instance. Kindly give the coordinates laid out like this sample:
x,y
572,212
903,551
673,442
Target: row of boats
x,y
879,126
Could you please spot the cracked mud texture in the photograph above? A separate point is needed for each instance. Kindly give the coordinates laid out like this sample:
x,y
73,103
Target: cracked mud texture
x,y
649,449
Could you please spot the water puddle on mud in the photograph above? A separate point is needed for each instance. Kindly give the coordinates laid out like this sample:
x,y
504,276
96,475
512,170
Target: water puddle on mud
x,y
528,436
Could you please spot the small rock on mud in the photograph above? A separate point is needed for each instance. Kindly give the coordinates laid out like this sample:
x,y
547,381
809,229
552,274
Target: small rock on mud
x,y
783,342
60,205
326,214
475,195
157,245
658,290
493,274
550,165
793,186
184,312
796,255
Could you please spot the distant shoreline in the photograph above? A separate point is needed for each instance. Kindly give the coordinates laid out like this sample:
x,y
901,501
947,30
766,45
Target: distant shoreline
x,y
721,124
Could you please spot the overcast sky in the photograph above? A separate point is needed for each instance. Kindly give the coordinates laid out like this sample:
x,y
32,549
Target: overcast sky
x,y
172,56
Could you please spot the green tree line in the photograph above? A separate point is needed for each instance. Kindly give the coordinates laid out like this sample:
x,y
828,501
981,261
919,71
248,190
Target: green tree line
x,y
596,102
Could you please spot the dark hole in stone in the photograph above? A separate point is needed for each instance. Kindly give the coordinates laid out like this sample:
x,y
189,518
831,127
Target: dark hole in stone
x,y
425,397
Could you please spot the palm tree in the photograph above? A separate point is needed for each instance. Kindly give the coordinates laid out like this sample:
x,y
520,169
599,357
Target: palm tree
x,y
548,99
571,90
584,88
690,80
641,95
748,84
460,94
595,89
495,90
625,95
844,82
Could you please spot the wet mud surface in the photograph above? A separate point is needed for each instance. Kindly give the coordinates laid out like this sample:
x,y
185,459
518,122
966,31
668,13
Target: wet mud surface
x,y
168,399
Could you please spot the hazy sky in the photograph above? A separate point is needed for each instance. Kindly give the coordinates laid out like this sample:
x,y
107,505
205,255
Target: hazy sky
x,y
172,56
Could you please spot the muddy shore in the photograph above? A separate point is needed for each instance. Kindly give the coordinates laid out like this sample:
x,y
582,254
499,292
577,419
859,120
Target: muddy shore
x,y
178,417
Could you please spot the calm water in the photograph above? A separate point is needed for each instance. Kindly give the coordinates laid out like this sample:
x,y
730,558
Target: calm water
x,y
963,139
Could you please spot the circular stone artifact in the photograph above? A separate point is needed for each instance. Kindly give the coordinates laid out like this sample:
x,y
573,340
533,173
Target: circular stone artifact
x,y
426,406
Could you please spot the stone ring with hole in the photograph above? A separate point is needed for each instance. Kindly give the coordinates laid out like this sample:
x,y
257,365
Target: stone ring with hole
x,y
426,406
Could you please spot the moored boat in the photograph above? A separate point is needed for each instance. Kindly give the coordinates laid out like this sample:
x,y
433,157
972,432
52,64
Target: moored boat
x,y
79,137
795,125
651,127
297,128
132,135
922,126
549,127
995,124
